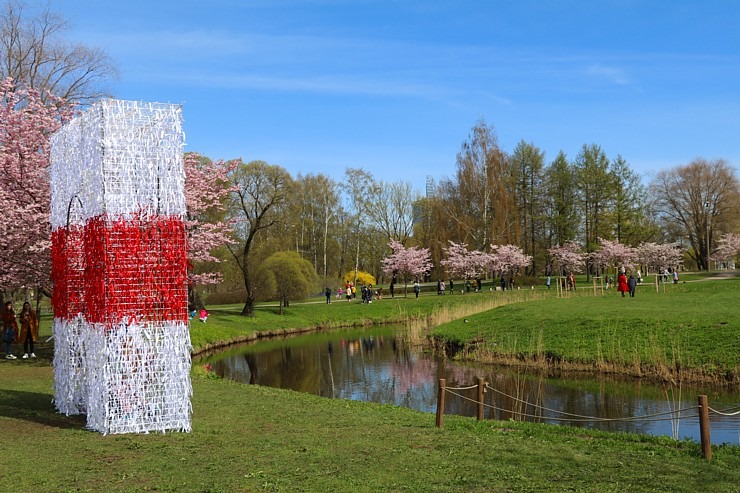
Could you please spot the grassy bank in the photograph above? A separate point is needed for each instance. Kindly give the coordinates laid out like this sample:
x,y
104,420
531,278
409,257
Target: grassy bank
x,y
225,324
250,438
688,332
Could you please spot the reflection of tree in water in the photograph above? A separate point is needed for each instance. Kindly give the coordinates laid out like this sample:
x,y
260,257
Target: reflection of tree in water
x,y
388,369
383,370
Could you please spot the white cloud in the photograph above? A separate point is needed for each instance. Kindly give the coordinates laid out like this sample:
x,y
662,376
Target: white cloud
x,y
611,74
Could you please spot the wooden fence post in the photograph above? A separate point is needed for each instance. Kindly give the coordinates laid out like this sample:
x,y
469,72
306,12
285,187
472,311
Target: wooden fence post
x,y
706,441
441,401
481,390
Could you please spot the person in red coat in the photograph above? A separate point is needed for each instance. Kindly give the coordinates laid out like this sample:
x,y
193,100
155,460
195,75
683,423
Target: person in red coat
x,y
9,329
622,283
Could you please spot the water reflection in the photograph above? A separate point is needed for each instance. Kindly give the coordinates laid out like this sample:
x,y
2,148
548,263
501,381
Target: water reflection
x,y
379,365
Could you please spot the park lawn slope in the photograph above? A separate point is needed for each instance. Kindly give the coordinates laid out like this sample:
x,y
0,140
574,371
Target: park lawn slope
x,y
251,438
689,331
225,325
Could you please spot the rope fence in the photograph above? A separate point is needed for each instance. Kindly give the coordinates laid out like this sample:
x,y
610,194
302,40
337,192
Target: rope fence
x,y
701,411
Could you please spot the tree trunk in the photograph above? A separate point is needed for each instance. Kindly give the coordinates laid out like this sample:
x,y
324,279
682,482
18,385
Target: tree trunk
x,y
248,309
39,294
194,300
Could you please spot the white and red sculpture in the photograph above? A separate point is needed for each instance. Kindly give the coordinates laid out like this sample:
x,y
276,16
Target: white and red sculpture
x,y
119,267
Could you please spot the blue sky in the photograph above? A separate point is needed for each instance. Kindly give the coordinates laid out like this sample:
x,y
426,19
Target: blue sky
x,y
394,87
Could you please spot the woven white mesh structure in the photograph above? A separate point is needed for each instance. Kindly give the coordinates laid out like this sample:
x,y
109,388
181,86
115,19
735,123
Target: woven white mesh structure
x,y
135,378
70,384
118,158
132,379
122,346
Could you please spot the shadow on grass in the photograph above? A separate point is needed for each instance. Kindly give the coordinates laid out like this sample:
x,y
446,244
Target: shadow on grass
x,y
36,407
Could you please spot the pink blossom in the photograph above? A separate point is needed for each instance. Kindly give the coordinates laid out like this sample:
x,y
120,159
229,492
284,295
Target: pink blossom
x,y
659,256
613,254
410,262
568,257
508,259
728,247
465,264
205,193
25,125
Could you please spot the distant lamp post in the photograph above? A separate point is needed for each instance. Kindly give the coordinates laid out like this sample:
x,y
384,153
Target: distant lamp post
x,y
709,260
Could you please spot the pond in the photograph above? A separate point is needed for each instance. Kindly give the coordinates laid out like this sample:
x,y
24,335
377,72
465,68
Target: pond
x,y
381,365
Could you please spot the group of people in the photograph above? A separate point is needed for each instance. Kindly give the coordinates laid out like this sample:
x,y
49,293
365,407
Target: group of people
x,y
663,275
28,333
503,283
567,282
202,315
625,285
442,288
476,284
350,291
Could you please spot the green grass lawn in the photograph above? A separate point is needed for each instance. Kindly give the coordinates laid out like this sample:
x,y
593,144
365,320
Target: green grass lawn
x,y
252,439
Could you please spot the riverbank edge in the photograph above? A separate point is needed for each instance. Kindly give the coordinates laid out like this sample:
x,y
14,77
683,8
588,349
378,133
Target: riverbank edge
x,y
553,366
277,333
539,363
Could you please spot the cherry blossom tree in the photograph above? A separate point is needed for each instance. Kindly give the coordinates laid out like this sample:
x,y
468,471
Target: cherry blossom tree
x,y
462,263
407,262
509,259
728,248
206,191
568,257
659,256
613,254
26,123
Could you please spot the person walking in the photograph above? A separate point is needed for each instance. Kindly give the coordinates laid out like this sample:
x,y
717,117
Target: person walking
x,y
9,329
29,330
547,282
632,285
417,289
503,283
327,292
622,283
